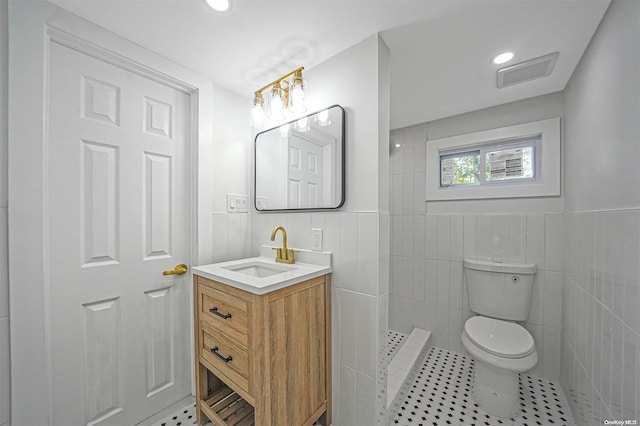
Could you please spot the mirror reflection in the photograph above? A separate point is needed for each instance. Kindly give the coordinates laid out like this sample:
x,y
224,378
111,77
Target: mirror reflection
x,y
300,165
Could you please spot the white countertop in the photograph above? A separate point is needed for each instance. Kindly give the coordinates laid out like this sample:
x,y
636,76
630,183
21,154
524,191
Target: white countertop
x,y
290,274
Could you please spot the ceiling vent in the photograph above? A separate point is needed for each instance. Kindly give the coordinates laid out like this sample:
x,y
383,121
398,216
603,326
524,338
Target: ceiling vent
x,y
527,70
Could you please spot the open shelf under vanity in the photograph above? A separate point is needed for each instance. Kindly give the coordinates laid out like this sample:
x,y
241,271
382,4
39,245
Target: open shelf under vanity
x,y
226,407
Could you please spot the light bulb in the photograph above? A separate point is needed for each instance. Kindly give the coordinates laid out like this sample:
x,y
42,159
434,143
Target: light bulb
x,y
297,93
297,105
303,124
219,5
257,115
285,130
257,111
323,118
276,107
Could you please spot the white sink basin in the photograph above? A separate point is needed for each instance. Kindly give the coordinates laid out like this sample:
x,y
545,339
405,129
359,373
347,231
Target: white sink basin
x,y
260,275
256,268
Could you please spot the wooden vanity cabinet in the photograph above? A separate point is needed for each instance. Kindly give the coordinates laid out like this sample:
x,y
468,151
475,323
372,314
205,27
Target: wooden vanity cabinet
x,y
263,360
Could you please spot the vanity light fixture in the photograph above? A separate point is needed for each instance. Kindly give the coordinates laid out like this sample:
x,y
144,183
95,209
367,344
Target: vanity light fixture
x,y
219,5
502,58
274,101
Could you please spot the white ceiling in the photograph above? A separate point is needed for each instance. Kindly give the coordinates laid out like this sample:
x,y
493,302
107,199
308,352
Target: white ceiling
x,y
440,49
443,67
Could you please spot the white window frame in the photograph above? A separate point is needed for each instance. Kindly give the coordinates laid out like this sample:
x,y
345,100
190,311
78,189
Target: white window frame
x,y
546,181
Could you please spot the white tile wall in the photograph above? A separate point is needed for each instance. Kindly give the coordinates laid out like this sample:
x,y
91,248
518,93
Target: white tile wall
x,y
438,278
600,367
359,242
470,236
365,400
367,253
600,327
5,391
517,238
4,371
348,330
238,236
348,396
384,258
4,322
349,250
4,276
427,281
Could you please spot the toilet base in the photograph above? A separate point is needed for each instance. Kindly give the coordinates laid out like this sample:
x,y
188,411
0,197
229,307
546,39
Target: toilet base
x,y
496,390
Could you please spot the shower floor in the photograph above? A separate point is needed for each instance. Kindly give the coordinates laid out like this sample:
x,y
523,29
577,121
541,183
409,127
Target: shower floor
x,y
441,395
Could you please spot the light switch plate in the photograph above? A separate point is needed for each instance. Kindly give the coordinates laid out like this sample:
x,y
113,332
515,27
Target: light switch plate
x,y
261,203
316,239
237,203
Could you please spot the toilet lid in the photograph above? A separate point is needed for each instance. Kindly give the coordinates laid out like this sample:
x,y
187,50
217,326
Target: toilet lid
x,y
501,338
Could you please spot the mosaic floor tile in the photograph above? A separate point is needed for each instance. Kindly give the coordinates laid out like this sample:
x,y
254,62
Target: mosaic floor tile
x,y
441,395
182,417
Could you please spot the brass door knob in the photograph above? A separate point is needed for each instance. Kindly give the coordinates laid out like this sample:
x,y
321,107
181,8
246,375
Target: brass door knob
x,y
178,270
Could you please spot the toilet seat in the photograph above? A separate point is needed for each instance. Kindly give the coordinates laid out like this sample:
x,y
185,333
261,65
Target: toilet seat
x,y
500,338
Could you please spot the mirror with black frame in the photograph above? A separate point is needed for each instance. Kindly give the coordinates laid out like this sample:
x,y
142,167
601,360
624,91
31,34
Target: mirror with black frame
x,y
300,165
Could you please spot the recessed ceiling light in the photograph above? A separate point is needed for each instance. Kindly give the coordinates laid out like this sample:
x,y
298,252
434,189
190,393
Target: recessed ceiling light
x,y
502,58
219,5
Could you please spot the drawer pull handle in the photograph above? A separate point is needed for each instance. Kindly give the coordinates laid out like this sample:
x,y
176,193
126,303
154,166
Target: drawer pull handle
x,y
215,352
214,310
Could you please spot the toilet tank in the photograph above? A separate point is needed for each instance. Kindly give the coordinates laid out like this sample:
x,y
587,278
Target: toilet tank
x,y
499,290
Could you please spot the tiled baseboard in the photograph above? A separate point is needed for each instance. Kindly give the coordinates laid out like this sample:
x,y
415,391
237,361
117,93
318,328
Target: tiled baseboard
x,y
404,366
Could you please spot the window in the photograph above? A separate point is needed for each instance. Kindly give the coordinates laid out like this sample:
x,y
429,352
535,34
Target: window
x,y
515,161
460,168
505,162
510,163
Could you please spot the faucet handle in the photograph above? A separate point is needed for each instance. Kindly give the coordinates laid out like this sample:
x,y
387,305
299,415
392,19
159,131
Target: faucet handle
x,y
283,256
291,255
278,252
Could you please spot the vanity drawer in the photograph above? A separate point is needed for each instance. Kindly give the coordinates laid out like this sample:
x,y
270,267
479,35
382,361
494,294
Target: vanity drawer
x,y
225,312
226,355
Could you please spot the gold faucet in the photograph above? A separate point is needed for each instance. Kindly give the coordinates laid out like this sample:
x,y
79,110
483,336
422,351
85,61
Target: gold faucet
x,y
284,254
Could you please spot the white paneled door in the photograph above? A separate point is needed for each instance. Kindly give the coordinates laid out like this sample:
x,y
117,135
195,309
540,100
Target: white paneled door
x,y
305,180
118,194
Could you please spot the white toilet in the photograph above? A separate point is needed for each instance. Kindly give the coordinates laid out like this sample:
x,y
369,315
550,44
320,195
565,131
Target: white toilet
x,y
499,293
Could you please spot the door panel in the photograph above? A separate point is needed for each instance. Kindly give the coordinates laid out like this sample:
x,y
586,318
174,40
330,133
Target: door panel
x,y
157,206
118,215
103,374
159,342
100,240
305,188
